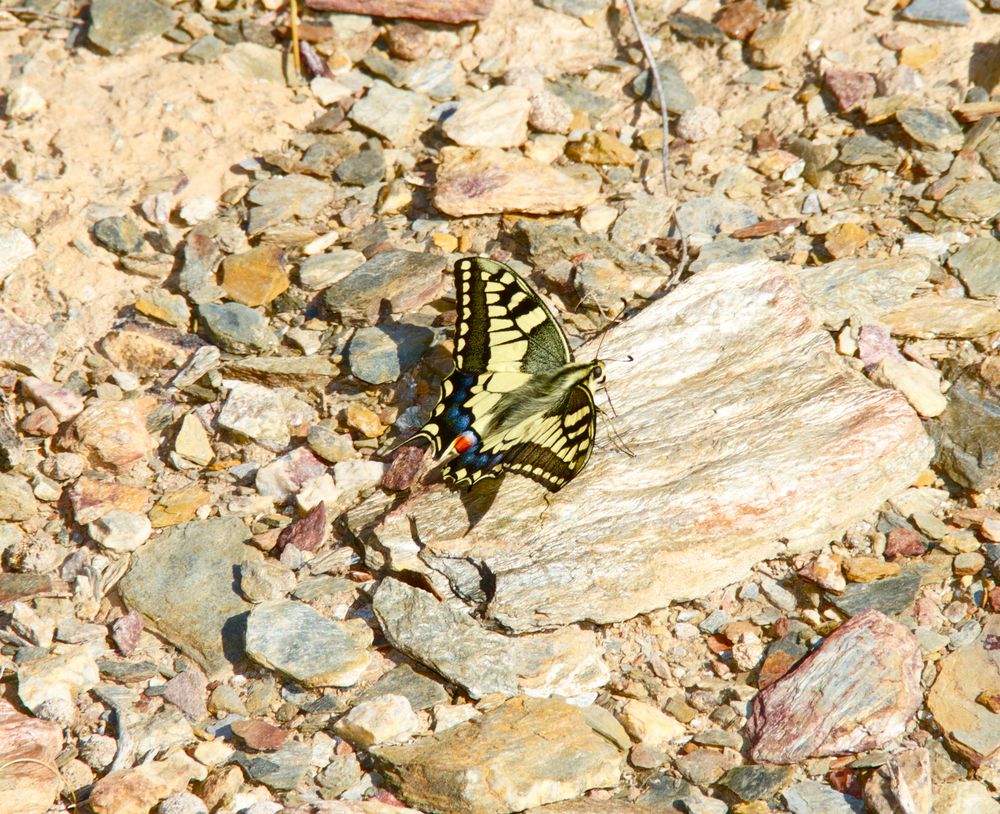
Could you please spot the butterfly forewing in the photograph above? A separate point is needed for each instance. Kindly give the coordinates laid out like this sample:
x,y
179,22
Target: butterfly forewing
x,y
515,400
503,325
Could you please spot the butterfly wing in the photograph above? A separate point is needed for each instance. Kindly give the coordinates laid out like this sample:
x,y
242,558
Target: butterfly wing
x,y
552,452
503,326
504,335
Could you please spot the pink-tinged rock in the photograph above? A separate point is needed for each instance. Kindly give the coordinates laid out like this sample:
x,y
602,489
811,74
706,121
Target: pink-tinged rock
x,y
904,543
307,534
40,423
137,790
28,747
875,344
825,570
855,692
91,499
439,11
965,675
112,434
260,735
850,89
186,691
488,181
902,785
404,469
284,476
25,347
126,632
65,404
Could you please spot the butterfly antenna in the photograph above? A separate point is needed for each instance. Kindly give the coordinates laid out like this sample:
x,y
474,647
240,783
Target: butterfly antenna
x,y
617,441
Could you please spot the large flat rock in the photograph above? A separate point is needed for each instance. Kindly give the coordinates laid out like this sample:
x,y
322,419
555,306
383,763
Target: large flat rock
x,y
183,584
751,439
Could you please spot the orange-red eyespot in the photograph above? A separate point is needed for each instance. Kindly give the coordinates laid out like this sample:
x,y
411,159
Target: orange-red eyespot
x,y
464,442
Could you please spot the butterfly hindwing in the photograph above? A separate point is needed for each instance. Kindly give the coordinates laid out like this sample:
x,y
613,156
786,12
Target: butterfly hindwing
x,y
553,449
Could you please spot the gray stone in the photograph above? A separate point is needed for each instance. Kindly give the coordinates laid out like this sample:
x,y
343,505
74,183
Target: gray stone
x,y
868,150
119,234
285,197
17,502
565,662
693,434
257,413
931,127
395,115
300,642
382,354
527,752
695,28
323,270
342,772
204,50
866,288
575,8
15,248
813,797
407,279
757,782
422,692
640,221
676,93
977,264
938,12
236,328
548,244
281,770
182,584
573,92
437,78
254,61
701,219
197,275
364,167
116,25
969,434
728,252
977,201
891,596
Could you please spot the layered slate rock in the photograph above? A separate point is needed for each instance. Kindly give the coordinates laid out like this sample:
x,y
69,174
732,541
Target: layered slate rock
x,y
526,752
855,692
299,641
968,677
751,440
566,662
183,584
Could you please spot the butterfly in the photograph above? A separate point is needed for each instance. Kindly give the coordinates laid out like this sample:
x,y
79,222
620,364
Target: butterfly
x,y
516,400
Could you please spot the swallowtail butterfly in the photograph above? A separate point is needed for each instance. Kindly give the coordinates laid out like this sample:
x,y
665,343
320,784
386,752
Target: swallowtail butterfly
x,y
516,400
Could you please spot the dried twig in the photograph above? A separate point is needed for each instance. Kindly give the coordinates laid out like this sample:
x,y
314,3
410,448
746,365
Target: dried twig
x,y
664,125
296,56
655,73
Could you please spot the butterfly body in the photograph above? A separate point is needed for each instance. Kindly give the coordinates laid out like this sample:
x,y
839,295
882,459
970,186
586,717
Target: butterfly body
x,y
516,400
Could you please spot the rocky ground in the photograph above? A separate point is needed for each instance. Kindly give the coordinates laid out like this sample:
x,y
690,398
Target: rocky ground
x,y
226,292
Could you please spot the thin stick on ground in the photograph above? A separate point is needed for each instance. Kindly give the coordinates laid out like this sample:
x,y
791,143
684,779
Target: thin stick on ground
x,y
658,84
655,73
296,56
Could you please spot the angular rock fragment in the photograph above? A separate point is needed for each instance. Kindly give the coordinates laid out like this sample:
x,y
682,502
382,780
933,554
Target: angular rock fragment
x,y
762,433
856,691
566,662
182,583
526,752
484,181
